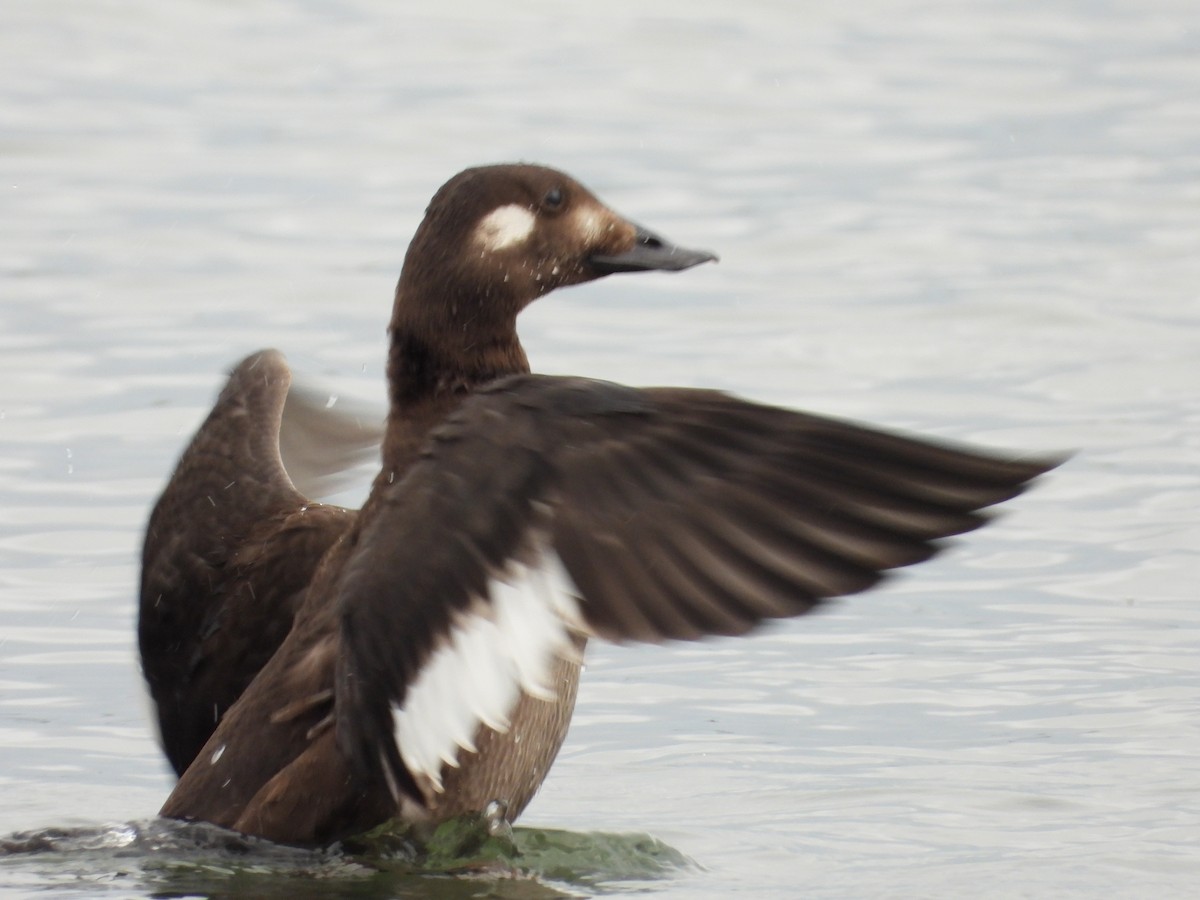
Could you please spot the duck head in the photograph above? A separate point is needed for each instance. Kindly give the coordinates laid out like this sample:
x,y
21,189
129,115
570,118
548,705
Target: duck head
x,y
495,238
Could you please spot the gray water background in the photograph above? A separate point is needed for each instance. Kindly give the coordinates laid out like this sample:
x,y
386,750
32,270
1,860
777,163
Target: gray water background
x,y
977,220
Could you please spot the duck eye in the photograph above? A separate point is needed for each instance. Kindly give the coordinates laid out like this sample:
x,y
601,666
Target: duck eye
x,y
553,198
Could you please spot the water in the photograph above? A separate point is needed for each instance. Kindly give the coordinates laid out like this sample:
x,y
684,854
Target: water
x,y
976,220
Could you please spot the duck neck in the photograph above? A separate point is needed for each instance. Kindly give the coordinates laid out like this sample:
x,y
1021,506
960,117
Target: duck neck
x,y
429,375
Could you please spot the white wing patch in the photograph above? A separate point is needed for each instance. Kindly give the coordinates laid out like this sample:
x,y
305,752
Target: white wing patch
x,y
503,227
503,645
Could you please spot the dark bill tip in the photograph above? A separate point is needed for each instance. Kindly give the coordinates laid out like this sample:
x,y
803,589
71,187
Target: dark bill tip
x,y
649,253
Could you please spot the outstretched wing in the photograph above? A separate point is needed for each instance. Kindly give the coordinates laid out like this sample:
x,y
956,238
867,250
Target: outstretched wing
x,y
230,546
548,506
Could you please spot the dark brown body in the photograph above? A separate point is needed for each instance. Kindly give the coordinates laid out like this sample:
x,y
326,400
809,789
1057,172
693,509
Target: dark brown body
x,y
283,641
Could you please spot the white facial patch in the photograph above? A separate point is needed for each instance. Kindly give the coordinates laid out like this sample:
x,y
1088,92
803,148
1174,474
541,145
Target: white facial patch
x,y
502,645
503,227
590,224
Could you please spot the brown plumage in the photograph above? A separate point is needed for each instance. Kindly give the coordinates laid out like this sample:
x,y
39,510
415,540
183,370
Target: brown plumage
x,y
318,671
230,549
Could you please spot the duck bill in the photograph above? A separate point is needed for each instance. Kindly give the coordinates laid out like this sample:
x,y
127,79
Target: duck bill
x,y
649,253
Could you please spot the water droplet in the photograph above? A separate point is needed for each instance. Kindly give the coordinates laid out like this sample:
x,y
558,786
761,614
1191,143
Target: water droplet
x,y
495,815
217,754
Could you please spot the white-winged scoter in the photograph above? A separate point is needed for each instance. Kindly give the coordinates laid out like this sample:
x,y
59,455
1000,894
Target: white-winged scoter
x,y
318,671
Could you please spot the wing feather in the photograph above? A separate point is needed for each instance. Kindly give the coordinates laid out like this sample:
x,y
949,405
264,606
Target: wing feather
x,y
548,507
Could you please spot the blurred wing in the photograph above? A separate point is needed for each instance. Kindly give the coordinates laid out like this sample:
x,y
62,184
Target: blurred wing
x,y
552,505
230,547
329,444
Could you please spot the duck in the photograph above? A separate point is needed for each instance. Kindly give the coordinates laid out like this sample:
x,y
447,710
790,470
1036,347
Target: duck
x,y
318,671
